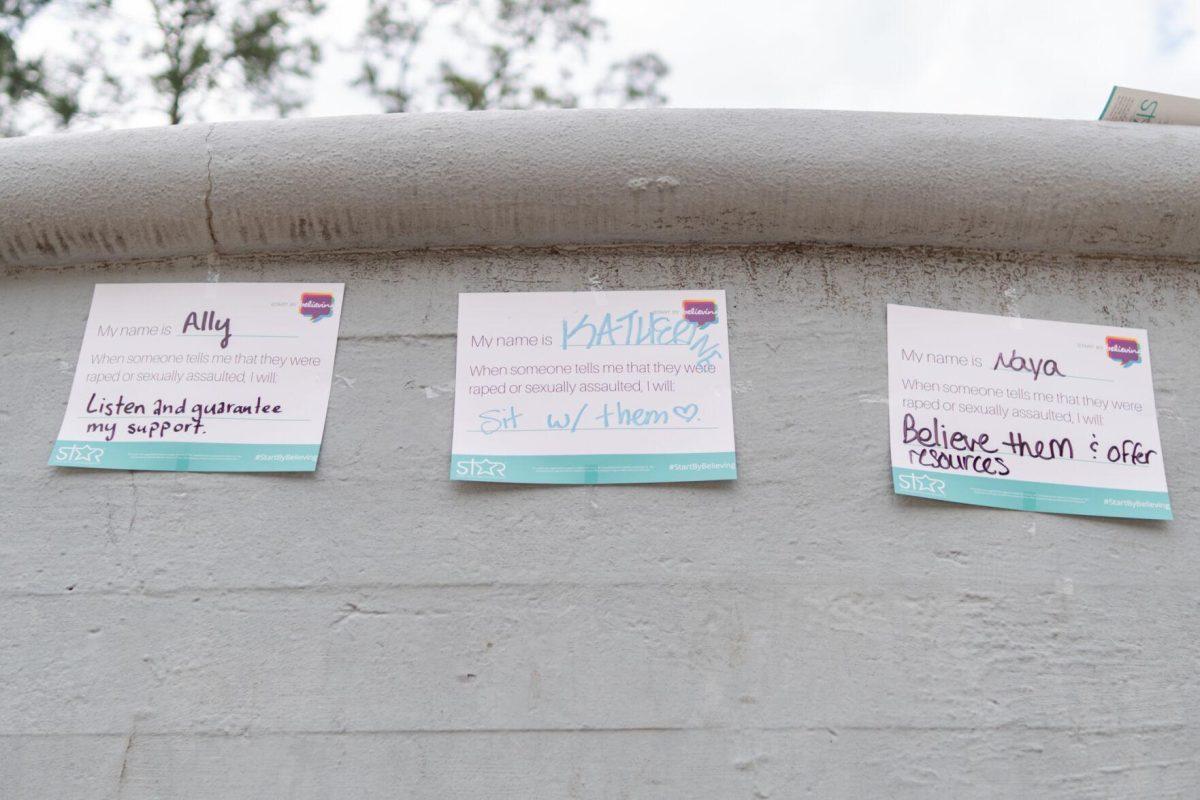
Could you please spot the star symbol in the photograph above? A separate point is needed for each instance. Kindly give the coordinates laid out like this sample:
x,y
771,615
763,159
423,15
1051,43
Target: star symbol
x,y
86,452
925,484
493,469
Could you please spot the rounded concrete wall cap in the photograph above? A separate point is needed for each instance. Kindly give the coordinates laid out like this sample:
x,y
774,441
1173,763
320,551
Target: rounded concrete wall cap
x,y
412,181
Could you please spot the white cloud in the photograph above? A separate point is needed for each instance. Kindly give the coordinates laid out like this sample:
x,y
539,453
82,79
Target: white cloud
x,y
1050,58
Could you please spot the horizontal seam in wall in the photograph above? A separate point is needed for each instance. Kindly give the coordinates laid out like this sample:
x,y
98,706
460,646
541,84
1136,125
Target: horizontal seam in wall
x,y
834,728
976,591
913,252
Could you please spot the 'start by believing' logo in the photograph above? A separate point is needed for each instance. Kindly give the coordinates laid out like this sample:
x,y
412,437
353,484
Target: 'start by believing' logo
x,y
1123,350
701,312
316,306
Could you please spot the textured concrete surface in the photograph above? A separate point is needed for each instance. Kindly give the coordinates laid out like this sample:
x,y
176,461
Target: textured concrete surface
x,y
375,631
412,181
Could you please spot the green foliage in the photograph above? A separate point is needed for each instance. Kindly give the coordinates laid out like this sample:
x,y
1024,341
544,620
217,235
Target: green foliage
x,y
635,80
21,80
49,88
505,54
262,44
184,28
202,41
464,54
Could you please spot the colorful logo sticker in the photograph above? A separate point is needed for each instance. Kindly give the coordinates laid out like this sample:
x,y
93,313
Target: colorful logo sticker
x,y
1123,350
317,306
701,312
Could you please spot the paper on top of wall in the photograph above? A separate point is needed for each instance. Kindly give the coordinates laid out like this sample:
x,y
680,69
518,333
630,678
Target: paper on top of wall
x,y
1024,414
1137,105
593,387
202,377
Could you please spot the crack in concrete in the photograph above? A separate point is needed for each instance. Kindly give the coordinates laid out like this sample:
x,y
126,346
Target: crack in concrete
x,y
208,209
133,515
350,610
124,774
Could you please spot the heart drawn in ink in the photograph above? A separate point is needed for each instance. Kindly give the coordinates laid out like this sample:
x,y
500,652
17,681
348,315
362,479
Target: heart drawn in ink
x,y
687,413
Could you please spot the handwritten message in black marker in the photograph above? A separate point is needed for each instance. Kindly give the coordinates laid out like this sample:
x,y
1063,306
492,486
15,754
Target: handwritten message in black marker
x,y
202,377
1023,414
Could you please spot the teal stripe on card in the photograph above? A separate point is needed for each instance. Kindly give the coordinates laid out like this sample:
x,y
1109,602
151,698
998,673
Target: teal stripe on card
x,y
1053,498
1108,103
592,469
185,456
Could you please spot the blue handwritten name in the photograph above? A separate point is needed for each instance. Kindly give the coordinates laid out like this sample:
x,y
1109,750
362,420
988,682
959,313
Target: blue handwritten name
x,y
638,328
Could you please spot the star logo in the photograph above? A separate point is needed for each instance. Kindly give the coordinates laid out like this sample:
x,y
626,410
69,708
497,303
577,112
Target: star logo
x,y
923,483
480,468
80,452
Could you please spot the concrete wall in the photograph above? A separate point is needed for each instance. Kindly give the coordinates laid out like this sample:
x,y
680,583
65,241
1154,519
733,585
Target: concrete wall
x,y
375,631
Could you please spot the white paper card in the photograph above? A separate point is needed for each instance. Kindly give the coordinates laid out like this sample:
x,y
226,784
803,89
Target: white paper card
x,y
1024,414
202,377
1137,105
593,387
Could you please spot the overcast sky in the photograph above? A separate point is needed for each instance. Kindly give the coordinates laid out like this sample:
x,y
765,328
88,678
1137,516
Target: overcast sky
x,y
1046,58
1043,58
